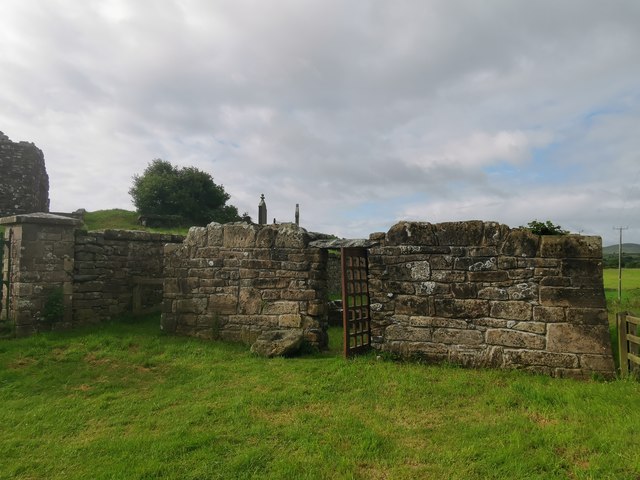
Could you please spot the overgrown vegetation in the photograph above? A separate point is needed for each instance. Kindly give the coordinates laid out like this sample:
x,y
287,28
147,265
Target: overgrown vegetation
x,y
545,228
124,401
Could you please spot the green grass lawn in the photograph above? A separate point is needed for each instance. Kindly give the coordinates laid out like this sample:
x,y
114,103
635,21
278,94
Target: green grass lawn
x,y
119,219
125,401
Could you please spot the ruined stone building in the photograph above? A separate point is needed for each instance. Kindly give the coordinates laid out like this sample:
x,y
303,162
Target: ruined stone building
x,y
24,183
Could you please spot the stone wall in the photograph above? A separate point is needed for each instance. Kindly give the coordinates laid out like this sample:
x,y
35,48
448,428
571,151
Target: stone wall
x,y
482,294
24,183
112,272
41,271
236,281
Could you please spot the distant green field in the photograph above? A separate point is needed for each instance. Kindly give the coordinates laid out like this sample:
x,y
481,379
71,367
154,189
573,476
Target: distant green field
x,y
119,219
630,289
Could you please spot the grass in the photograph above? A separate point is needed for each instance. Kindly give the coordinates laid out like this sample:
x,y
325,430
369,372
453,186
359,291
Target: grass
x,y
125,401
119,219
630,289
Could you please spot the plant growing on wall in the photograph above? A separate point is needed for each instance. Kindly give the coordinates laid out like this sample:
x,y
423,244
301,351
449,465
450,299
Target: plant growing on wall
x,y
545,228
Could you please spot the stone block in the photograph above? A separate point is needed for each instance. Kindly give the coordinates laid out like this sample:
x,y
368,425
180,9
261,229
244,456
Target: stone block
x,y
520,243
511,338
549,314
457,337
424,321
587,316
412,305
464,290
191,305
511,310
571,246
489,276
411,233
291,236
547,359
280,308
459,233
569,338
448,276
223,304
398,332
598,363
523,291
493,293
461,308
539,328
239,235
278,343
572,297
249,301
290,320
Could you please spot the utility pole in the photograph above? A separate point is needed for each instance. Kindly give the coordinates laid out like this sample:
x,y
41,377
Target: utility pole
x,y
620,261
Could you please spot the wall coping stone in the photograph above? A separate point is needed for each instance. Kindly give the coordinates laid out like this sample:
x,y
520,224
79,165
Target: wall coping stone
x,y
40,218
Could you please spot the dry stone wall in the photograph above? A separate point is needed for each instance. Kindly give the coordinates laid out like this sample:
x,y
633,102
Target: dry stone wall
x,y
114,269
24,183
236,281
482,294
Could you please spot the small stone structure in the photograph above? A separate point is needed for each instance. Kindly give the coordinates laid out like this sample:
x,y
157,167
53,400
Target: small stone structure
x,y
236,281
481,294
62,276
24,183
474,293
113,266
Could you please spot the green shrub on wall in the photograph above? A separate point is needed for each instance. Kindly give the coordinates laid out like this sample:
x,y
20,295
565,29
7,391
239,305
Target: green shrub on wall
x,y
545,228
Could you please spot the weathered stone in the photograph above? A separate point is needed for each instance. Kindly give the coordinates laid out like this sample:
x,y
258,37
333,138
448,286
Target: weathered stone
x,y
290,320
589,339
397,332
572,297
521,243
461,308
412,305
571,246
549,314
411,233
493,293
460,337
276,343
459,233
528,358
587,316
249,302
223,304
423,321
490,276
597,363
511,310
510,338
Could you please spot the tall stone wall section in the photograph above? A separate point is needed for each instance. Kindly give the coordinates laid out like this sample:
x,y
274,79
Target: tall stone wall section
x,y
24,183
236,281
114,269
481,294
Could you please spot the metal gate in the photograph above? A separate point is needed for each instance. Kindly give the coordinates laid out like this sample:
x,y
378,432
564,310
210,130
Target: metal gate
x,y
5,283
356,315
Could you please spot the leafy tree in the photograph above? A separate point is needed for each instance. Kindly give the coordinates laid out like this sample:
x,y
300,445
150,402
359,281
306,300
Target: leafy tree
x,y
545,228
164,189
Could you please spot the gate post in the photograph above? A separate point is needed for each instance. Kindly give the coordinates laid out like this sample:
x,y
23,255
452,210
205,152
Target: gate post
x,y
42,257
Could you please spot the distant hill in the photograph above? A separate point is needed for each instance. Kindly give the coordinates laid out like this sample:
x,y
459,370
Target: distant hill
x,y
626,248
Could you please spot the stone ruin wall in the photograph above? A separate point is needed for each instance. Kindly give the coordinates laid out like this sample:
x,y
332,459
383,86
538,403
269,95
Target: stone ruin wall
x,y
24,183
98,275
236,281
111,267
481,294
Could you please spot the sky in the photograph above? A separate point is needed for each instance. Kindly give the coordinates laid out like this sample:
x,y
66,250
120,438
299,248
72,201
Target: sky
x,y
365,112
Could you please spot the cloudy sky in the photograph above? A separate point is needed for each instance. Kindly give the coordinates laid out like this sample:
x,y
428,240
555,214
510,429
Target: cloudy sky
x,y
364,112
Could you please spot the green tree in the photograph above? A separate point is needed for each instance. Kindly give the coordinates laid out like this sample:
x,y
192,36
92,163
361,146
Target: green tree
x,y
545,228
164,189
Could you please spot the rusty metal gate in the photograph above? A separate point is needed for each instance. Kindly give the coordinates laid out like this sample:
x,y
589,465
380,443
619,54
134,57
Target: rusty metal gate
x,y
5,283
356,315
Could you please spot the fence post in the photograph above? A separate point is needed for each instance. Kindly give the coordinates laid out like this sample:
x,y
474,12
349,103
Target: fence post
x,y
621,320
